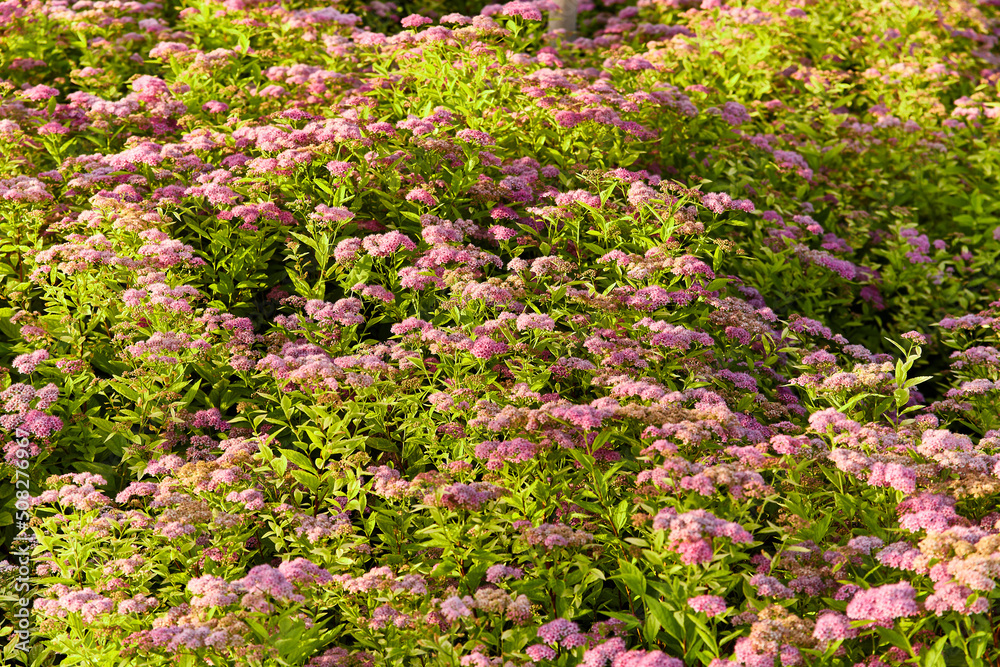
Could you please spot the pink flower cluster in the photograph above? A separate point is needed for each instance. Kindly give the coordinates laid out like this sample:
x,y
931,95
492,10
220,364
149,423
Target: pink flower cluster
x,y
690,534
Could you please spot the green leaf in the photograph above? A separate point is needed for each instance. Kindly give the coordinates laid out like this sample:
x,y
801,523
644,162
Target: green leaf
x,y
125,391
896,638
717,284
280,465
933,656
902,396
10,329
632,577
381,444
191,393
619,515
307,479
299,459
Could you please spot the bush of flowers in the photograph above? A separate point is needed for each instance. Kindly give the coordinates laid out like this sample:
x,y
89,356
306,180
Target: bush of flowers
x,y
418,334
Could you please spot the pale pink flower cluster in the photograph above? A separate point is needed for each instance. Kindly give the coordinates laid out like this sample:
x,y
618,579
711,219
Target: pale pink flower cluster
x,y
81,494
464,496
346,312
498,452
322,526
385,245
690,534
554,535
89,604
710,605
27,363
883,604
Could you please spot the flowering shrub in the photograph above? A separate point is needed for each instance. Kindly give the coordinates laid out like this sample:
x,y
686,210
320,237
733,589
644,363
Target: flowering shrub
x,y
373,334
